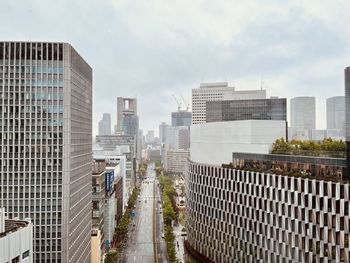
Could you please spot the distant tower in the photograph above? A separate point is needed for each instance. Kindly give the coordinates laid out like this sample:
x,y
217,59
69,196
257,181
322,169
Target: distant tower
x,y
336,114
125,107
104,125
302,115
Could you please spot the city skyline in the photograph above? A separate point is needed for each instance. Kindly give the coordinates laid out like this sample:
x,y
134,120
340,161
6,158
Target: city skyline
x,y
306,60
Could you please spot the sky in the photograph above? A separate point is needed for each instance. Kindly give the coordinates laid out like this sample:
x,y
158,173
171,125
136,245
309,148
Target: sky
x,y
154,49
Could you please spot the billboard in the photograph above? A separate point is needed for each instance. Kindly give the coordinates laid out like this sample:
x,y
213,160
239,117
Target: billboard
x,y
109,180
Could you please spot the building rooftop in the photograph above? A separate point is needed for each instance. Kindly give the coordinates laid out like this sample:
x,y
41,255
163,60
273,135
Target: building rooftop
x,y
214,85
12,226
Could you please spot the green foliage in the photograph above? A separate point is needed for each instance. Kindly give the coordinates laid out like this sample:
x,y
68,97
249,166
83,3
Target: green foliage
x,y
327,147
111,257
169,214
133,197
169,239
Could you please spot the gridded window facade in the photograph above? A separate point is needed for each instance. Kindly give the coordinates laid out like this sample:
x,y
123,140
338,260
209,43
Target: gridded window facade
x,y
255,109
242,216
38,122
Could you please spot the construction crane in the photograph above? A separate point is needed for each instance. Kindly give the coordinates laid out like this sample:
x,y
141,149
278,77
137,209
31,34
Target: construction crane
x,y
187,105
177,102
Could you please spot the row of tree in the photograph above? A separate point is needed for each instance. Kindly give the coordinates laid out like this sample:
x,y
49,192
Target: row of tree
x,y
281,146
169,214
121,230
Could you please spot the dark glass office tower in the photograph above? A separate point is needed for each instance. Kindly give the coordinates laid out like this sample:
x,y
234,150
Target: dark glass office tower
x,y
255,109
347,119
46,146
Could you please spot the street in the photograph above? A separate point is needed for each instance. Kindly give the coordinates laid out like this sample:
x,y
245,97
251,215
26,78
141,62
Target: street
x,y
140,244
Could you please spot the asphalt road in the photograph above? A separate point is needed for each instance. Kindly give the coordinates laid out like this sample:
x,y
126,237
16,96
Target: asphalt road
x,y
140,242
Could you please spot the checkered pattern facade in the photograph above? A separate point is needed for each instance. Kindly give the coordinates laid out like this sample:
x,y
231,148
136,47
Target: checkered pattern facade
x,y
242,216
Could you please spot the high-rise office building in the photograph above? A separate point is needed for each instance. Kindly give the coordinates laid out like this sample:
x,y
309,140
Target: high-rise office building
x,y
46,146
178,137
130,125
125,106
181,118
149,138
104,125
217,92
162,132
302,115
336,114
256,109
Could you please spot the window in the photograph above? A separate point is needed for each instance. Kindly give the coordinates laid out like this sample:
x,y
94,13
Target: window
x,y
25,254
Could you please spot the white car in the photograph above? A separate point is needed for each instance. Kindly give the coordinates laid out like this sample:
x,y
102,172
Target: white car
x,y
162,235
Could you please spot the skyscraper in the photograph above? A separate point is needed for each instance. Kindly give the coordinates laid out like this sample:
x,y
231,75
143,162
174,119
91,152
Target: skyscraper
x,y
45,146
302,115
181,118
125,106
162,132
104,125
336,113
217,92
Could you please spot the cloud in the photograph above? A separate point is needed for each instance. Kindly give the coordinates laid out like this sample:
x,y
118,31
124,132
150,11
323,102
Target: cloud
x,y
153,49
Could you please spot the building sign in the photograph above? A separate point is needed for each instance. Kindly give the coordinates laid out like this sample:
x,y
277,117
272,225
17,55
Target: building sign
x,y
109,180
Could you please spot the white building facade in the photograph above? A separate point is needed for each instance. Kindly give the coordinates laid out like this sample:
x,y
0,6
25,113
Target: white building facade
x,y
217,91
214,142
302,116
16,240
238,216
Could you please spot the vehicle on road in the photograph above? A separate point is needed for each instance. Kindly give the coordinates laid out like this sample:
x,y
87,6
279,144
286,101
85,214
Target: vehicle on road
x,y
162,235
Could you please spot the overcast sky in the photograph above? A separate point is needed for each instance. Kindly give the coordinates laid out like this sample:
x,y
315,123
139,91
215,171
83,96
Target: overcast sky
x,y
151,49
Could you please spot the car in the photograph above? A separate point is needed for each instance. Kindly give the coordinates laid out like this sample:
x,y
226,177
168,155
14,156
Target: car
x,y
162,235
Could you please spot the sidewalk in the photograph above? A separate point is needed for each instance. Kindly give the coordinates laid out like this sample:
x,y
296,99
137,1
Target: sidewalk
x,y
180,251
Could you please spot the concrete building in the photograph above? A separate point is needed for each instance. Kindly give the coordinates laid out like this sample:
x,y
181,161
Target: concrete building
x,y
104,125
45,146
214,142
98,207
217,92
116,145
176,161
96,245
302,116
149,138
16,240
130,125
125,106
255,109
336,114
162,132
177,137
181,118
236,215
